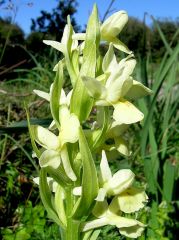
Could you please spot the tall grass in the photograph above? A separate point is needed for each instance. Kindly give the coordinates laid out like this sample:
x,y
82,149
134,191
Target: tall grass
x,y
160,132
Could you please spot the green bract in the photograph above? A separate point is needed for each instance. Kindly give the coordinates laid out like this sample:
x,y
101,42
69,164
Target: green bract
x,y
88,122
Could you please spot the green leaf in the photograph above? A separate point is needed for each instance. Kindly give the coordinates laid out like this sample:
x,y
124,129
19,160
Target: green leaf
x,y
75,61
56,92
168,180
46,197
92,33
32,136
156,88
153,223
151,165
22,126
95,234
22,234
167,46
89,180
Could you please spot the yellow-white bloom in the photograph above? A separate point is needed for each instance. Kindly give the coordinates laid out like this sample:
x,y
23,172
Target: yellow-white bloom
x,y
45,138
69,126
104,216
116,132
113,185
56,151
126,112
118,86
112,27
129,201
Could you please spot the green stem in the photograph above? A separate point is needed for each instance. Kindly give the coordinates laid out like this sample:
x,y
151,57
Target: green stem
x,y
72,231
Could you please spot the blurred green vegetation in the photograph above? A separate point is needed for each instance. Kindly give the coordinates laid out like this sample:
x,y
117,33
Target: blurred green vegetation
x,y
155,142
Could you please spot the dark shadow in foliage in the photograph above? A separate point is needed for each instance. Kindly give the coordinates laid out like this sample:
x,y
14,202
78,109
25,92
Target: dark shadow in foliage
x,y
169,28
133,35
11,52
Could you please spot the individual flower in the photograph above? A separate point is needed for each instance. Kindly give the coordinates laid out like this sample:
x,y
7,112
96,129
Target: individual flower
x,y
112,27
116,132
104,214
55,146
111,185
117,88
127,199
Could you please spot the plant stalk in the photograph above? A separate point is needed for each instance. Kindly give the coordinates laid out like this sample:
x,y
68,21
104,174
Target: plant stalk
x,y
72,230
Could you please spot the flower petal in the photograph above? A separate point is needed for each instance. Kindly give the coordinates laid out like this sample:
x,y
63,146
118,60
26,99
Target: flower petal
x,y
79,36
138,90
101,195
52,184
50,158
128,227
120,181
94,224
120,81
109,61
113,25
122,146
77,191
42,94
122,222
94,88
133,231
57,45
66,164
120,45
46,138
69,131
105,172
126,113
65,99
132,200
